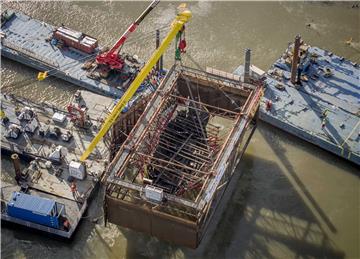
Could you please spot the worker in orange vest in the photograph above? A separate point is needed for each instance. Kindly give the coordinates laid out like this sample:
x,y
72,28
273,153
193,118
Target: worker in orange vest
x,y
268,105
66,225
73,189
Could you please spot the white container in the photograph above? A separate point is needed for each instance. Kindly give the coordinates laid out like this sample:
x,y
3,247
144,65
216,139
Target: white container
x,y
77,170
59,117
154,193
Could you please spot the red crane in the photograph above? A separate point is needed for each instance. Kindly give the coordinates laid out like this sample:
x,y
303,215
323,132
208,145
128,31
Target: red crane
x,y
111,58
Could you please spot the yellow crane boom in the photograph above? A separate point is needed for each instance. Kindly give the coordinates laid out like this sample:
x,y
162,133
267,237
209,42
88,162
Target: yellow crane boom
x,y
181,18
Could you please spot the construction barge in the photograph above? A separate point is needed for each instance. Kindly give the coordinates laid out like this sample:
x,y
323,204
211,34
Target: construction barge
x,y
174,153
53,192
70,55
314,94
169,175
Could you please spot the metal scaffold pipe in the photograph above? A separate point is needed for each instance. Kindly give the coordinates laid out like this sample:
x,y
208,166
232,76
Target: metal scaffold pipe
x,y
16,162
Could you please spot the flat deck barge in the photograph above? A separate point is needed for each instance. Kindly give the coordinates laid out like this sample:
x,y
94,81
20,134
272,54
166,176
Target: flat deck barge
x,y
29,41
54,140
322,106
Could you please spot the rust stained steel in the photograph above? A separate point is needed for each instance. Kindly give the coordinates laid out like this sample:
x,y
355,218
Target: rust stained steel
x,y
194,157
186,155
149,123
187,126
141,137
195,147
123,127
148,159
196,152
160,125
117,162
177,173
231,142
204,104
140,189
174,156
295,59
156,140
204,153
192,185
197,114
207,78
174,163
197,142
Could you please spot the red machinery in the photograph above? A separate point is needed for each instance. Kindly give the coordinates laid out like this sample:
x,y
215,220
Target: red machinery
x,y
77,111
111,58
76,114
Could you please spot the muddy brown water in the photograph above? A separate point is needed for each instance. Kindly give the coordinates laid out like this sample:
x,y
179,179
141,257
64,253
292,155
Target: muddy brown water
x,y
293,199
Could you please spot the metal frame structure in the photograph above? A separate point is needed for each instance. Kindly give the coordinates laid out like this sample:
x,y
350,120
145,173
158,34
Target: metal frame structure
x,y
180,146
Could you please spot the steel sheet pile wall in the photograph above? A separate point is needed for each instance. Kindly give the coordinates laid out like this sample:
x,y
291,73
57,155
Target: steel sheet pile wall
x,y
184,147
125,123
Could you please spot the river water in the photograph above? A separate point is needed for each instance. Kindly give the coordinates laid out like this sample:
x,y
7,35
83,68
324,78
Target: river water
x,y
293,200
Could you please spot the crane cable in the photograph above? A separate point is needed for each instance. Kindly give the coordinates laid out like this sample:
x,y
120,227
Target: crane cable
x,y
203,70
142,37
146,35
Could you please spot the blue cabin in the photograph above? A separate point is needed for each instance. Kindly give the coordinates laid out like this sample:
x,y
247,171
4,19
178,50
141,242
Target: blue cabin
x,y
35,209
